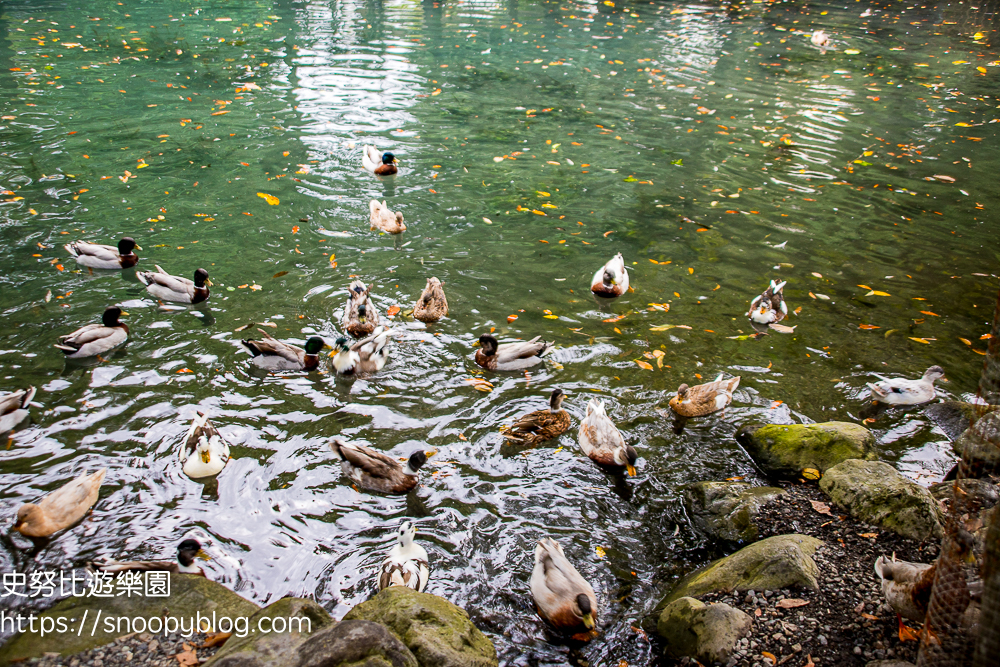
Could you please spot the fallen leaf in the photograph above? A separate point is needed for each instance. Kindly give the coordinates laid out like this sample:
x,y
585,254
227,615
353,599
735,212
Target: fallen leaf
x,y
818,275
925,341
944,179
511,318
822,508
279,274
216,639
927,312
964,340
864,286
616,318
270,199
480,384
606,234
769,656
757,612
392,311
48,297
601,553
187,658
295,229
871,535
870,617
791,603
244,327
877,293
734,479
868,326
643,364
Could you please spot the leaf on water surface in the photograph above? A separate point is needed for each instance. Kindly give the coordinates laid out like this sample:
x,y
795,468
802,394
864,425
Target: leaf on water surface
x,y
943,178
643,364
927,312
511,318
270,199
864,287
781,328
392,311
851,52
925,341
48,297
616,318
868,326
735,479
279,274
244,327
791,603
608,233
877,293
487,221
601,553
667,327
480,384
964,340
822,508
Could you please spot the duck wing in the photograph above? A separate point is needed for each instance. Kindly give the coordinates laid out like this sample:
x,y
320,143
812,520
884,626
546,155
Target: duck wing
x,y
100,252
367,460
411,573
67,504
16,400
272,347
164,279
511,352
371,158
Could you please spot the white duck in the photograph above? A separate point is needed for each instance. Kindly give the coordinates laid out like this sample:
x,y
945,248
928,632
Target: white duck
x,y
407,564
365,356
900,391
601,440
204,453
820,39
770,306
611,280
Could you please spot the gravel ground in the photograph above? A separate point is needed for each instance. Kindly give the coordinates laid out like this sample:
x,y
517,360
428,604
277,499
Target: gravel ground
x,y
134,650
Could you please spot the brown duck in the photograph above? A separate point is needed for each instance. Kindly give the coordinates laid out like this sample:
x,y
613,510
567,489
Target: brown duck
x,y
704,399
541,425
432,304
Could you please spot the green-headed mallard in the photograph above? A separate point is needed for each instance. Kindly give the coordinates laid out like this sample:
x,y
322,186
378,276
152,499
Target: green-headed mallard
x,y
380,164
611,280
601,440
769,307
60,509
14,408
274,355
187,551
166,287
384,219
360,314
563,597
95,339
432,304
97,256
407,564
204,452
704,399
900,391
541,425
375,471
510,356
365,356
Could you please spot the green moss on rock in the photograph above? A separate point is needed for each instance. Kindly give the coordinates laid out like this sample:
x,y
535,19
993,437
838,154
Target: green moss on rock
x,y
707,633
784,450
275,649
727,510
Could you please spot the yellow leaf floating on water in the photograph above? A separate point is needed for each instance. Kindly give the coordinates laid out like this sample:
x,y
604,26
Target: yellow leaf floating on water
x,y
601,553
875,292
966,341
851,52
666,327
643,364
270,199
920,340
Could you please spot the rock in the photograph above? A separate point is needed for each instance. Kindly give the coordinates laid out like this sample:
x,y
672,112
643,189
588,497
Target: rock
x,y
437,632
785,450
954,417
354,644
190,595
706,633
302,618
979,493
978,446
782,561
726,510
874,492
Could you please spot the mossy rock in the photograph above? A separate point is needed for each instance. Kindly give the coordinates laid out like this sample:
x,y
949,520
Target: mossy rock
x,y
437,632
707,633
302,619
875,492
190,595
785,450
727,510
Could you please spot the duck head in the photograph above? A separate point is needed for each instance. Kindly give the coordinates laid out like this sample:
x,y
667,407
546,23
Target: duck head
x,y
362,313
556,399
489,344
188,550
27,513
111,315
934,373
201,278
626,457
126,246
682,392
416,460
315,345
584,610
407,531
388,158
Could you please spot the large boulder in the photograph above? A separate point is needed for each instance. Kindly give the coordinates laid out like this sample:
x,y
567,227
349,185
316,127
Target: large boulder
x,y
979,446
190,595
874,492
437,632
299,619
954,417
726,510
785,450
782,561
355,644
707,633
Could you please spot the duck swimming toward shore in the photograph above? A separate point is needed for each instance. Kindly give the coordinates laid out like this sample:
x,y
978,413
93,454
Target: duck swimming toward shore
x,y
769,307
601,440
900,391
380,164
407,564
704,399
95,339
611,280
98,256
204,452
562,596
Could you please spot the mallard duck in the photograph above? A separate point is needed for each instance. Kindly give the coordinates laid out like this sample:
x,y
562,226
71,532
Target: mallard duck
x,y
510,356
820,39
187,551
360,314
380,164
375,471
541,425
274,355
384,219
432,304
704,399
407,564
97,256
14,408
166,287
900,391
601,440
204,452
769,307
60,509
95,339
563,597
365,356
611,280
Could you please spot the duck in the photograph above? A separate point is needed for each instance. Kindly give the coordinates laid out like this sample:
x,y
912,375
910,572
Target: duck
x,y
510,356
275,355
541,425
375,471
98,256
601,440
384,219
166,287
407,564
562,596
820,39
380,164
360,314
204,453
365,356
900,391
770,306
187,551
432,304
704,399
95,339
611,280
60,509
14,408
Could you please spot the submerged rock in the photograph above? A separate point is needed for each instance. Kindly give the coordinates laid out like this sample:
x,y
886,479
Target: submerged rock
x,y
877,493
302,618
979,446
785,450
954,417
707,633
438,633
726,510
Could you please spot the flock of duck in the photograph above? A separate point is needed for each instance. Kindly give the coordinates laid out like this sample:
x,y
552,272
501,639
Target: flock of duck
x,y
562,596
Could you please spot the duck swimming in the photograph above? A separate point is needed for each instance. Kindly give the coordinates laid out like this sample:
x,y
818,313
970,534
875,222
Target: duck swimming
x,y
611,280
770,306
601,440
380,164
510,356
14,408
432,304
274,355
384,219
360,314
704,399
187,551
541,425
204,452
375,471
365,356
407,564
900,391
166,287
60,509
563,597
95,339
98,256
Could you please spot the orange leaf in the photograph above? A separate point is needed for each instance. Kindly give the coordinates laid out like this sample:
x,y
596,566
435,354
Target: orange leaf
x,y
769,656
791,603
606,234
270,199
868,326
775,404
822,508
392,311
615,318
927,312
295,229
871,535
511,318
870,617
734,479
215,639
185,370
643,364
59,266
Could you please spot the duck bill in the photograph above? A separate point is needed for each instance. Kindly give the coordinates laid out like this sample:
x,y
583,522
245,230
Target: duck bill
x,y
202,554
430,452
208,283
588,621
138,247
204,457
631,470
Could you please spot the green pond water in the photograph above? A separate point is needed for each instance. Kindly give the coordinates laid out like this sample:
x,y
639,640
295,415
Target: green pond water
x,y
713,146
